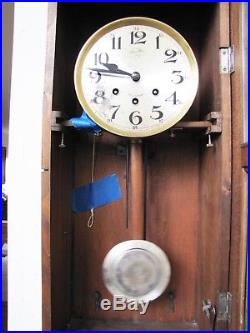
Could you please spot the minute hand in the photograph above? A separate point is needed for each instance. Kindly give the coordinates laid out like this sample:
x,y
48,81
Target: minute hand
x,y
104,71
113,69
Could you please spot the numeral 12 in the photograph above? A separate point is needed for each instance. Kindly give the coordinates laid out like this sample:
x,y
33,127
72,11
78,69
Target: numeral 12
x,y
138,37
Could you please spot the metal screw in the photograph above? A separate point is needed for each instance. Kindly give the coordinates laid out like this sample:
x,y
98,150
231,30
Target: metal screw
x,y
98,298
172,134
62,144
121,150
171,300
98,133
209,144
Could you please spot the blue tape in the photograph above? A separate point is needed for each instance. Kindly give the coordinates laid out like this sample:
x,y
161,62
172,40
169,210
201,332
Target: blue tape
x,y
96,194
85,122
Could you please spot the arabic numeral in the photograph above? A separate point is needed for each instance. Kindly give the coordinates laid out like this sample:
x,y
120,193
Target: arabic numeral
x,y
157,114
178,78
115,109
116,43
101,58
99,97
173,99
95,76
135,118
137,37
170,54
158,42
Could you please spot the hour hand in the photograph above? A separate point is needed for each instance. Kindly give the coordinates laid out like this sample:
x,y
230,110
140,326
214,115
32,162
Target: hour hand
x,y
113,68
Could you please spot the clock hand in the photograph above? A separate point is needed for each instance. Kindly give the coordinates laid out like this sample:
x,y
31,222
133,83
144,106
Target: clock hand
x,y
135,76
103,71
106,71
113,69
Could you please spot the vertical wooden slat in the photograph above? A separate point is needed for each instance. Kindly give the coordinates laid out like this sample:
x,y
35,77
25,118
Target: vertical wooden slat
x,y
239,221
225,186
172,218
62,162
136,190
46,155
225,212
215,171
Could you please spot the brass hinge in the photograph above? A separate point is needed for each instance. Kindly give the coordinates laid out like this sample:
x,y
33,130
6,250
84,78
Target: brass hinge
x,y
226,60
221,311
224,306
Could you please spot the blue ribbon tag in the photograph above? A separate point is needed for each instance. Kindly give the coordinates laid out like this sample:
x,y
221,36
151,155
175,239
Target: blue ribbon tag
x,y
85,122
96,194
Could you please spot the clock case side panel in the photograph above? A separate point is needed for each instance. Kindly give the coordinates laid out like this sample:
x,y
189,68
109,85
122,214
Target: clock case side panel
x,y
46,169
238,254
215,175
62,175
57,178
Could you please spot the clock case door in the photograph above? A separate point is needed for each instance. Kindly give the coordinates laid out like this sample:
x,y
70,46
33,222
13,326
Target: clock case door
x,y
188,186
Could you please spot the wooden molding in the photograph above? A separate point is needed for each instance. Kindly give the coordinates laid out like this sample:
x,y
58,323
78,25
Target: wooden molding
x,y
244,155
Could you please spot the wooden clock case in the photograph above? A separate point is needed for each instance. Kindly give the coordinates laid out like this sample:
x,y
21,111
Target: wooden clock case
x,y
189,191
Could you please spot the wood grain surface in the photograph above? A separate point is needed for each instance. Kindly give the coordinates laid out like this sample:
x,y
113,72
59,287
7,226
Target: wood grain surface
x,y
239,177
46,169
215,172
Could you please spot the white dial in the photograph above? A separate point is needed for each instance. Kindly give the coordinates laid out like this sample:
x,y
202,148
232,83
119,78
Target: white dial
x,y
136,77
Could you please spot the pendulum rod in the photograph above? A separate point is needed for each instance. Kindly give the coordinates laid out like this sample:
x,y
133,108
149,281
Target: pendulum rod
x,y
136,189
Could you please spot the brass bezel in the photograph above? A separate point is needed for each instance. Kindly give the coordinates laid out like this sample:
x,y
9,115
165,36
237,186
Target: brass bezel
x,y
136,21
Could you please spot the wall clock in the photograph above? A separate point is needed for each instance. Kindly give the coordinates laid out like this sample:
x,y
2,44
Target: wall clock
x,y
136,77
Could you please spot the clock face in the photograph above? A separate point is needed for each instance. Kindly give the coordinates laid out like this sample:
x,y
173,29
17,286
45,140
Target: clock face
x,y
136,77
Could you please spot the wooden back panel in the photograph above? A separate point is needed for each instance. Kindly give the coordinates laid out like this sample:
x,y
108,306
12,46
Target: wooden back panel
x,y
172,215
110,224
